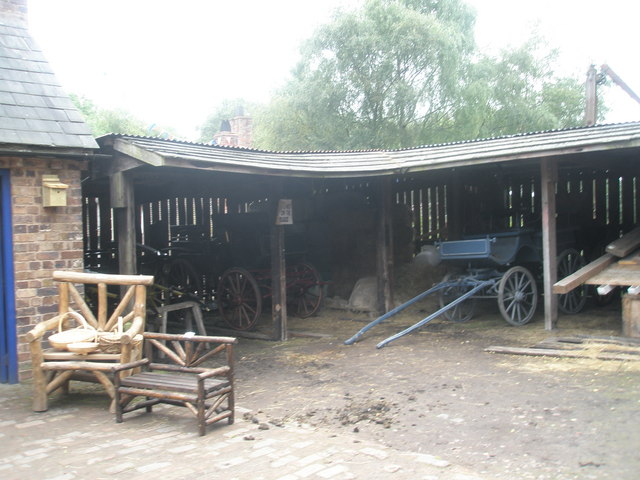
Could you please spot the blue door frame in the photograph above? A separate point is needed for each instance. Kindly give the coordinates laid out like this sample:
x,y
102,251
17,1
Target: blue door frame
x,y
8,350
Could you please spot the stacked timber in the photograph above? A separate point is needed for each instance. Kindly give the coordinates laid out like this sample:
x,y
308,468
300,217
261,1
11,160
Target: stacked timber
x,y
619,266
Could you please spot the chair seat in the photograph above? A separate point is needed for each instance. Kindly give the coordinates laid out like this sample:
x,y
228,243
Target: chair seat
x,y
184,380
172,382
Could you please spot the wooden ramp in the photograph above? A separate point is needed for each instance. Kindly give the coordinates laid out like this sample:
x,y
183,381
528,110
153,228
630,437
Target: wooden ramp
x,y
620,266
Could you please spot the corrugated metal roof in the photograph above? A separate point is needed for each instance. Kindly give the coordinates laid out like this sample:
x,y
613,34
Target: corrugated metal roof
x,y
161,152
34,110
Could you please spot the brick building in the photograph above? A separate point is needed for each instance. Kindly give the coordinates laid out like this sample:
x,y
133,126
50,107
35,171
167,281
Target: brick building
x,y
44,147
236,132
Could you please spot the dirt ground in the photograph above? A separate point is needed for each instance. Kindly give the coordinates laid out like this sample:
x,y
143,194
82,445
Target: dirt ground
x,y
437,391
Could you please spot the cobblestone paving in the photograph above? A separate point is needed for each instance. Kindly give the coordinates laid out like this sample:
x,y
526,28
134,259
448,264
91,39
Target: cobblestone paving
x,y
79,439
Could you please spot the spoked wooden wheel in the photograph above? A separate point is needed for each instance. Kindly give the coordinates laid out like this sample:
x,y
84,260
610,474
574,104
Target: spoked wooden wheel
x,y
462,312
569,262
239,298
305,293
180,276
175,280
517,296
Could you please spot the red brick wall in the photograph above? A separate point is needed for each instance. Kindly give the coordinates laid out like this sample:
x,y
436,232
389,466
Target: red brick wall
x,y
243,126
44,239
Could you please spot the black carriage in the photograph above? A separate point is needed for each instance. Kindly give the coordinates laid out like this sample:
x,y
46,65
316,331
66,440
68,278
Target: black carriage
x,y
504,266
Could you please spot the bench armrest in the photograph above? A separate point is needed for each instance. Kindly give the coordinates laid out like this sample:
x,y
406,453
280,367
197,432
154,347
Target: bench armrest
x,y
136,327
216,372
127,366
41,328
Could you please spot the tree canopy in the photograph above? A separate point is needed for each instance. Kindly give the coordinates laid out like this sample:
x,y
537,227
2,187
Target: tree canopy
x,y
102,121
401,73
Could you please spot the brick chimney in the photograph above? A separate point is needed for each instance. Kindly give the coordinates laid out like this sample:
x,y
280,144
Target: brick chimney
x,y
242,126
13,12
236,132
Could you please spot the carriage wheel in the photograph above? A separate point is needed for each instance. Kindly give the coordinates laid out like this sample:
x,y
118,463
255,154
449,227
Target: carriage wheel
x,y
569,261
180,275
305,292
462,312
517,296
239,298
175,279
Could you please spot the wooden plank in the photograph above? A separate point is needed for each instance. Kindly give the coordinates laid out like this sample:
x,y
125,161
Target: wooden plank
x,y
609,339
620,275
633,259
625,244
591,339
628,210
109,279
582,275
305,334
600,198
543,352
588,347
613,200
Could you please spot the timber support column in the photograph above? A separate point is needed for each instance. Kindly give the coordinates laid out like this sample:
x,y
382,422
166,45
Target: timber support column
x,y
279,284
548,180
278,266
384,249
123,204
455,196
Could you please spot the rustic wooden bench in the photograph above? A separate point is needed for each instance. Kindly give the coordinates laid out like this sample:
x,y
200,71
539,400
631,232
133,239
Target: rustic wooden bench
x,y
207,391
52,368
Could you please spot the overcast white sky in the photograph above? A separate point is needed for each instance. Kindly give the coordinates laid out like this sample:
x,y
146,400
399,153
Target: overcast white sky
x,y
172,62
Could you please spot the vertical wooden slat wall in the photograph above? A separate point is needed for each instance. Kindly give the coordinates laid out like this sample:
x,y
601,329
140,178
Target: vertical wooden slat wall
x,y
603,202
587,198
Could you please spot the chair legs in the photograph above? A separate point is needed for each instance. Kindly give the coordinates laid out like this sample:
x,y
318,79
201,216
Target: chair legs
x,y
40,403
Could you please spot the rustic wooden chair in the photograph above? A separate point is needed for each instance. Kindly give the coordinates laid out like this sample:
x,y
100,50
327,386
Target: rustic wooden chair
x,y
208,392
53,369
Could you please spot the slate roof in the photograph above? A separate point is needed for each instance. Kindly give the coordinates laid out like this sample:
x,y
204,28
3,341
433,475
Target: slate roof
x,y
34,110
554,143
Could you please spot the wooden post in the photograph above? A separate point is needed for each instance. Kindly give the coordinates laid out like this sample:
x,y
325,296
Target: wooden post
x,y
278,269
278,283
454,200
631,315
591,110
548,179
122,201
385,248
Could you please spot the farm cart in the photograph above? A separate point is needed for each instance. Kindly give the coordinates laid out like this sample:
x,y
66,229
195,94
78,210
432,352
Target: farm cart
x,y
498,266
241,292
229,272
196,268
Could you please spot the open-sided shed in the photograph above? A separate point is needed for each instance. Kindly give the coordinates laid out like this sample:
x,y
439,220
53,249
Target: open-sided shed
x,y
583,181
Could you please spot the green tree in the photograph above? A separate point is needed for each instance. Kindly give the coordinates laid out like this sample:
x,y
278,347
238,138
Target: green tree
x,y
102,121
514,93
400,73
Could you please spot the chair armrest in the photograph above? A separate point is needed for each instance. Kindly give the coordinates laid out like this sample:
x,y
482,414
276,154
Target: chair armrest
x,y
127,366
41,328
135,328
214,372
